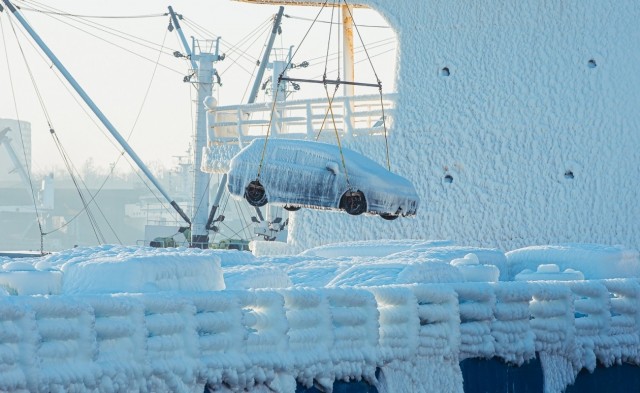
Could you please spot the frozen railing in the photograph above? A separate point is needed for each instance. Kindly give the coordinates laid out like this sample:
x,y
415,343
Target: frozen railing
x,y
232,127
277,338
477,304
310,335
510,324
353,116
622,336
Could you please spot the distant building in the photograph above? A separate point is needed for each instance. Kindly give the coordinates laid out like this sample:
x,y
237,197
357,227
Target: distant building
x,y
19,137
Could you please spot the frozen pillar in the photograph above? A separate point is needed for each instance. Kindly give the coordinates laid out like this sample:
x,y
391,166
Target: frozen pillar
x,y
347,60
200,202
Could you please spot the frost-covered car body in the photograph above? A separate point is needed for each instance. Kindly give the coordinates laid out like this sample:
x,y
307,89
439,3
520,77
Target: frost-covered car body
x,y
298,173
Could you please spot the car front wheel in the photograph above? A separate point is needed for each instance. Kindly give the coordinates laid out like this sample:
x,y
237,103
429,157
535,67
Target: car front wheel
x,y
353,202
255,194
388,216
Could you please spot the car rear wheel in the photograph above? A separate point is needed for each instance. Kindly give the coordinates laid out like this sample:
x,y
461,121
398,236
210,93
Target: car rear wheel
x,y
255,194
353,202
388,216
290,208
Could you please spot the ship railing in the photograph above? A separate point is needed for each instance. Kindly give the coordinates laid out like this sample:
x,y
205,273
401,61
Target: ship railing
x,y
350,116
315,335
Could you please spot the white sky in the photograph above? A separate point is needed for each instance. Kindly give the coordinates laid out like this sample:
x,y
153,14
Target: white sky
x,y
117,79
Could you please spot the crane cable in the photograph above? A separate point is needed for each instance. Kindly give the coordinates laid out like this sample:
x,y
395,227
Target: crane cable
x,y
275,96
330,99
97,232
122,35
324,78
33,195
384,121
273,106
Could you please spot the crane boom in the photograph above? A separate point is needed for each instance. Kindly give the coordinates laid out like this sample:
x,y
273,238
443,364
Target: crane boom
x,y
112,130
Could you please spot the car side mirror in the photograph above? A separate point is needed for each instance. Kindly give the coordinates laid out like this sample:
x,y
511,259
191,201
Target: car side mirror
x,y
333,167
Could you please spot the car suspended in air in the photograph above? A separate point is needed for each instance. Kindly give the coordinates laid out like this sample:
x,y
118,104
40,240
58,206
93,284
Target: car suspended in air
x,y
298,173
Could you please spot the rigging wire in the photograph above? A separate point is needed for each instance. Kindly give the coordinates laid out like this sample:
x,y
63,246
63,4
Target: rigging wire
x,y
24,151
255,67
358,49
324,78
118,33
118,147
98,127
92,220
98,234
363,46
326,57
324,21
244,219
384,121
121,35
93,196
122,153
330,99
92,119
233,50
243,229
65,85
94,16
361,60
305,35
232,47
244,56
273,107
117,45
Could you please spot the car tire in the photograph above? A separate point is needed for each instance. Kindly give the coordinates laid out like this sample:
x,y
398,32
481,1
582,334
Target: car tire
x,y
353,202
255,194
388,216
290,208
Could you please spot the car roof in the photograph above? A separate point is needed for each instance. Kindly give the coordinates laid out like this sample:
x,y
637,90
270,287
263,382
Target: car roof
x,y
355,161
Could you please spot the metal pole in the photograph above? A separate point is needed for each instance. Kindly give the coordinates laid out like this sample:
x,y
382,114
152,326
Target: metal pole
x,y
199,232
216,201
202,64
265,57
182,38
95,109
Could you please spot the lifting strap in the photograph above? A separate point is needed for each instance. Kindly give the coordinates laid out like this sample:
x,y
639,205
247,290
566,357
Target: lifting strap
x,y
330,98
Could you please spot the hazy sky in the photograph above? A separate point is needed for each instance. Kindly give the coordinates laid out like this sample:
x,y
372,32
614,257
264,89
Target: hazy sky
x,y
114,59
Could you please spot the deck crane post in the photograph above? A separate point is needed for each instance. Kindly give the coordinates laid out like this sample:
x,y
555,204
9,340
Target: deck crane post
x,y
201,57
265,57
252,98
85,97
260,74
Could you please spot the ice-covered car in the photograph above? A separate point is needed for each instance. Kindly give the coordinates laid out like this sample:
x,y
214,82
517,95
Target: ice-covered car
x,y
298,173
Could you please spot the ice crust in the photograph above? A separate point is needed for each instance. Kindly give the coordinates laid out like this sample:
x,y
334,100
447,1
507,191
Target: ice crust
x,y
115,269
528,138
315,174
315,320
596,261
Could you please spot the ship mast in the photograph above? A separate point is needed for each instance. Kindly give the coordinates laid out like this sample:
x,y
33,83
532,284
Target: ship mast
x,y
201,55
